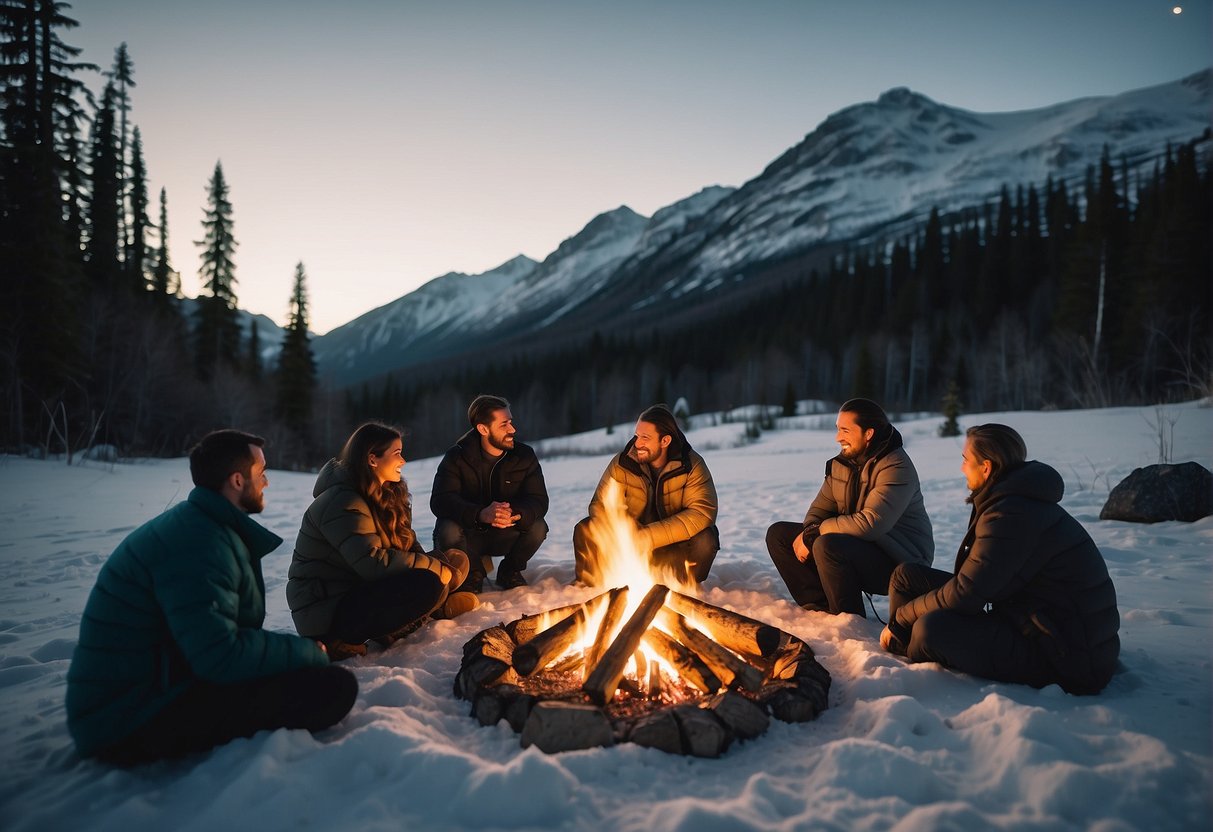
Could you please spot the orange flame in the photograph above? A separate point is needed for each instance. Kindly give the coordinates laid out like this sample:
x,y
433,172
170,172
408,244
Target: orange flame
x,y
625,559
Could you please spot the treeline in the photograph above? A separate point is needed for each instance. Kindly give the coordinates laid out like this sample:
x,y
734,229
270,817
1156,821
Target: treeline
x,y
1083,295
97,346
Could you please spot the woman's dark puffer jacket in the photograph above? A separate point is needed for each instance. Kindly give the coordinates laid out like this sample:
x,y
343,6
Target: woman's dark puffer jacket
x,y
1030,560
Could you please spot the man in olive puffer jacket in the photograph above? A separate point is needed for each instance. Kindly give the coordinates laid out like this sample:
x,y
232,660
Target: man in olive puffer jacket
x,y
172,657
668,490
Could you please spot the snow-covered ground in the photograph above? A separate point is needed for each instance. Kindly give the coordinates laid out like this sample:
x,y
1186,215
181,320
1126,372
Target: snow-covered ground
x,y
902,746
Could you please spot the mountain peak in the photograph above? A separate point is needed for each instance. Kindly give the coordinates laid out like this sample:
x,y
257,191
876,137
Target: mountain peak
x,y
903,97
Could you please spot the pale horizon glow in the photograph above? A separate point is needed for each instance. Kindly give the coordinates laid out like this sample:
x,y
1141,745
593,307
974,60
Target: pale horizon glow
x,y
386,144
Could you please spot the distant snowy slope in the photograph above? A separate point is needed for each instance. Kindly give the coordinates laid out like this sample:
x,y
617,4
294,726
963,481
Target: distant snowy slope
x,y
417,325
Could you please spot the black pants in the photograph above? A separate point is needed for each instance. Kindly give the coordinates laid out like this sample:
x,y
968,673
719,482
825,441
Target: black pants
x,y
985,644
208,715
514,545
376,609
689,559
840,569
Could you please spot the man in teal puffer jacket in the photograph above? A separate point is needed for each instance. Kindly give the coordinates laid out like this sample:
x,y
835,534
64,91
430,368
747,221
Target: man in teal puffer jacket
x,y
172,657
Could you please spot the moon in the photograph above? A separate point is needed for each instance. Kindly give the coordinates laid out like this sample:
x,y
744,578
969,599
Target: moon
x,y
1177,10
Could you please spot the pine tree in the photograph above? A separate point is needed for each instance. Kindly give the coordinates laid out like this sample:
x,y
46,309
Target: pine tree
x,y
122,78
74,195
217,332
166,282
137,253
951,410
103,214
296,364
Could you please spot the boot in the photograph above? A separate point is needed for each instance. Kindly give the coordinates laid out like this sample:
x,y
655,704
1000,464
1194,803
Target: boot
x,y
510,578
457,603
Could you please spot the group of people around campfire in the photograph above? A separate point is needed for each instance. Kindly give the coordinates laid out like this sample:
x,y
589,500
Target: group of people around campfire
x,y
173,658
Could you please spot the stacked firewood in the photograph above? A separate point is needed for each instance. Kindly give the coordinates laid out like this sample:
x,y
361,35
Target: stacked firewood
x,y
741,672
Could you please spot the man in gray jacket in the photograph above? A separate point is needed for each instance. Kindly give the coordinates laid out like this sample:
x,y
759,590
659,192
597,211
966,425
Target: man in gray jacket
x,y
867,518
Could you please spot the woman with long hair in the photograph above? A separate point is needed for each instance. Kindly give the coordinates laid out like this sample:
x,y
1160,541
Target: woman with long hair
x,y
1030,599
358,572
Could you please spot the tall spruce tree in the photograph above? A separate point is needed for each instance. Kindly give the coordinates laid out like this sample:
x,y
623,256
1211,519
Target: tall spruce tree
x,y
217,334
166,282
121,75
104,266
137,253
296,364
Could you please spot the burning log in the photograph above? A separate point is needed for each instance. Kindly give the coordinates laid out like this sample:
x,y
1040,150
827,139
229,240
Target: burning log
x,y
689,666
727,666
733,630
524,629
604,678
549,644
616,606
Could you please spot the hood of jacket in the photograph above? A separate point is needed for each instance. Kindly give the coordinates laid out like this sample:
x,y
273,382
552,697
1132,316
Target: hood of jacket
x,y
1034,480
333,473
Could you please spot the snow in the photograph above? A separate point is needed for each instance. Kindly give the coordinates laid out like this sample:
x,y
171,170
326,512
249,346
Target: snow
x,y
901,747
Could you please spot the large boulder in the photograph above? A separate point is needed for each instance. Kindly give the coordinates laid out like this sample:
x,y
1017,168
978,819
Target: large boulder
x,y
1162,492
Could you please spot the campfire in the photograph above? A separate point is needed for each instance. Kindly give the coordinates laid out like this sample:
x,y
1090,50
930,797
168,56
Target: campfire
x,y
646,661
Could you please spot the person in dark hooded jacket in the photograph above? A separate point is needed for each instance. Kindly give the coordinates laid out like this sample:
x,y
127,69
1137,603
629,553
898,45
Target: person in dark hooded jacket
x,y
868,517
489,498
1029,600
358,572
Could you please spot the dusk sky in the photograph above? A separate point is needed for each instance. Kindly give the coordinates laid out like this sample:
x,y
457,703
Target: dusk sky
x,y
385,143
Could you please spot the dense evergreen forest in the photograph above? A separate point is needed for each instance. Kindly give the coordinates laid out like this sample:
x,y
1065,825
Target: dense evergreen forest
x,y
97,346
1053,295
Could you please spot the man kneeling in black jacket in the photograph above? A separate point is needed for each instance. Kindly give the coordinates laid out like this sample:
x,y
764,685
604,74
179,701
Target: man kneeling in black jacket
x,y
489,497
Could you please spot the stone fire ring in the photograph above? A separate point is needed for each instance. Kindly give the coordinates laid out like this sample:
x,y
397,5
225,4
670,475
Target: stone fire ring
x,y
794,688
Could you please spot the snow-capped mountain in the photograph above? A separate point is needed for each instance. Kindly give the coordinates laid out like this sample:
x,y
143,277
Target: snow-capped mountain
x,y
418,326
868,170
890,161
458,311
